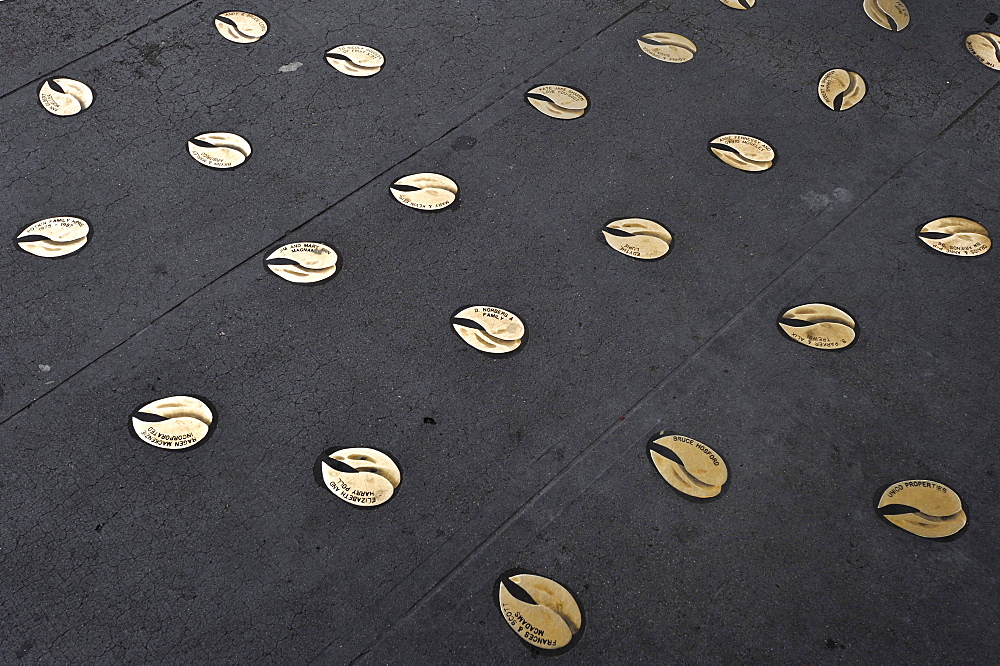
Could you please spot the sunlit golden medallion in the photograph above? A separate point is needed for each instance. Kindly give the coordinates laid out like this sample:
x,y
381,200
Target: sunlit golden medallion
x,y
926,508
638,238
178,422
890,14
304,263
739,4
557,101
688,466
219,150
425,191
956,235
840,89
240,27
541,612
65,97
743,152
819,325
986,47
489,330
359,476
667,46
355,60
54,237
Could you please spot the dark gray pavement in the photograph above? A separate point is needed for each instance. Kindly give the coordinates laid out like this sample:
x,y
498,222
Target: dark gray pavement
x,y
112,551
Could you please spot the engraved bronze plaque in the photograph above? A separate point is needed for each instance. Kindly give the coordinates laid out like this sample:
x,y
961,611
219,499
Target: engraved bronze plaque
x,y
489,330
689,466
240,27
65,97
840,89
305,263
425,191
178,422
890,14
359,476
638,238
743,152
957,236
667,46
986,47
355,60
557,101
219,150
926,508
739,4
54,237
543,613
819,325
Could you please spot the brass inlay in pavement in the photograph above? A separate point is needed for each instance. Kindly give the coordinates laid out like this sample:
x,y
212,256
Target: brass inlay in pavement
x,y
739,4
541,612
219,150
638,238
667,46
743,152
956,235
359,476
488,329
355,60
303,262
688,466
986,47
54,237
240,27
926,508
178,422
65,97
557,101
841,89
890,14
819,325
425,191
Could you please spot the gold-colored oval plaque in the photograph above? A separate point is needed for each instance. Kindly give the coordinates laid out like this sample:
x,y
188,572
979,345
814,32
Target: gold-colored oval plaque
x,y
841,89
638,238
559,102
819,325
543,613
957,236
687,465
240,27
926,508
177,422
65,97
739,4
355,60
219,150
890,14
54,237
359,476
488,329
667,46
305,263
986,47
743,152
425,191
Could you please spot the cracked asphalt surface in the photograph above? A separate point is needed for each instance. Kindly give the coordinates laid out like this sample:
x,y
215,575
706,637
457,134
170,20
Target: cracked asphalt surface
x,y
116,552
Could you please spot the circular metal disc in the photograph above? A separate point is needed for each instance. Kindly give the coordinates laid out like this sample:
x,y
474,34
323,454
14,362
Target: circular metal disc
x,y
956,236
841,89
425,191
926,508
240,27
819,325
667,46
177,422
890,14
638,238
54,237
359,476
219,150
986,47
739,4
543,613
688,466
743,152
489,329
305,263
558,101
65,97
355,60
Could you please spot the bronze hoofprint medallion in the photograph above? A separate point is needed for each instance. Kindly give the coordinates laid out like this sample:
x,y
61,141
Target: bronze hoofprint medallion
x,y
240,27
355,60
739,4
54,237
638,238
177,422
819,325
890,14
689,466
957,236
425,191
841,89
219,150
304,262
667,46
559,102
743,152
986,47
926,508
360,476
65,97
490,330
543,613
